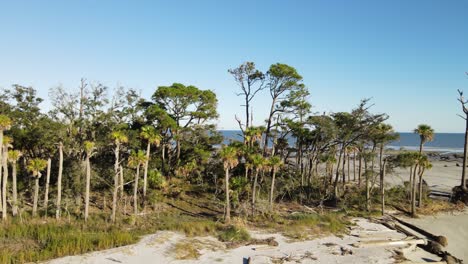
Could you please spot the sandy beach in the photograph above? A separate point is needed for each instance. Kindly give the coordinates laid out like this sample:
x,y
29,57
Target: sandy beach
x,y
161,248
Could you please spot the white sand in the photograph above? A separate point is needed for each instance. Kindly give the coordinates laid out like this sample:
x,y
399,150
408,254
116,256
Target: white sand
x,y
159,248
443,176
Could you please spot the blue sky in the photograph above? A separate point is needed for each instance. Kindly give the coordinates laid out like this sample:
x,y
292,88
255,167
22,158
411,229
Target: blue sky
x,y
409,56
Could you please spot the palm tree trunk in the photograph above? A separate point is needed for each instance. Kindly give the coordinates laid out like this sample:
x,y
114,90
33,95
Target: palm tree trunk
x,y
15,189
36,194
135,191
116,183
4,186
272,188
228,202
46,195
413,194
420,194
411,183
88,184
145,174
59,182
121,185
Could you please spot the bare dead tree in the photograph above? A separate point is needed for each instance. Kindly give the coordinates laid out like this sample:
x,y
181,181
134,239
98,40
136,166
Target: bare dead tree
x,y
251,81
464,103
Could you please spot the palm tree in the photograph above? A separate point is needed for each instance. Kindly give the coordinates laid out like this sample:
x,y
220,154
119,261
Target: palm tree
x,y
426,134
5,124
258,161
4,163
89,149
136,160
119,137
46,195
274,163
35,166
230,160
59,182
423,164
13,157
150,135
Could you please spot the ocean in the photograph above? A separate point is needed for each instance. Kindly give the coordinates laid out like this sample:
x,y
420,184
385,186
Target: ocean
x,y
443,142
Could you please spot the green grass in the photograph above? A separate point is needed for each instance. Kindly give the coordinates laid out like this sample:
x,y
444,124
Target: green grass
x,y
41,241
234,234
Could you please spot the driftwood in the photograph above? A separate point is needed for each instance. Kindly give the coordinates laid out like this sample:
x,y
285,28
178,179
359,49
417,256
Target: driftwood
x,y
391,242
434,243
439,239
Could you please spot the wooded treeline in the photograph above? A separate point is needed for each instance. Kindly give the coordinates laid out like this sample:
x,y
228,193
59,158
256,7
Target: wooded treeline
x,y
110,149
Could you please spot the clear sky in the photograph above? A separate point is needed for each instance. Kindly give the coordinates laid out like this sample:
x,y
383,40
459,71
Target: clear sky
x,y
409,56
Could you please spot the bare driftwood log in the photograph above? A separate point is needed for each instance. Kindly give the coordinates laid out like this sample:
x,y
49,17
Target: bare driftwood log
x,y
439,239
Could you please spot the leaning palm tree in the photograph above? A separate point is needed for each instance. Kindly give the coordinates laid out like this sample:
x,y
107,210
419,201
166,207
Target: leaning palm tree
x,y
274,163
35,166
149,134
426,134
13,157
89,149
119,137
230,160
136,160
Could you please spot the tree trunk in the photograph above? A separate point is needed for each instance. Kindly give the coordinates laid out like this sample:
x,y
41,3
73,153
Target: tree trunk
x,y
382,187
121,185
465,152
145,174
246,172
59,182
420,194
135,192
254,187
366,173
410,186
359,171
349,176
88,184
272,188
354,166
337,174
116,183
343,169
247,112
1,171
268,127
413,192
36,194
5,182
15,189
227,218
46,195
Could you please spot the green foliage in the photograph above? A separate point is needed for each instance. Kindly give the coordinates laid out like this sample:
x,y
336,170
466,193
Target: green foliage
x,y
35,166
